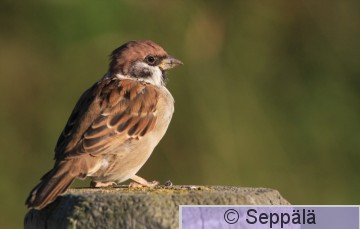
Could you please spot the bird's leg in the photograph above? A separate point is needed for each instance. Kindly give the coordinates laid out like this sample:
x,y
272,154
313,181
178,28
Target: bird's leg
x,y
141,182
98,184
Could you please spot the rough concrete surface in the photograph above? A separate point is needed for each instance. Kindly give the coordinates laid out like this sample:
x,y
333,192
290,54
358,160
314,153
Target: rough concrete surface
x,y
123,207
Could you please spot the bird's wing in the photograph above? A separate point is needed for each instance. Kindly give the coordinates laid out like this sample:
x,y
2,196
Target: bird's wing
x,y
111,112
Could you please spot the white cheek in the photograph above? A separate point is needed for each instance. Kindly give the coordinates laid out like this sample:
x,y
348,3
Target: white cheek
x,y
156,76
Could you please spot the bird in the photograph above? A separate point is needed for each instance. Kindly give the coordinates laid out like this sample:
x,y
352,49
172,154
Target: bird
x,y
115,125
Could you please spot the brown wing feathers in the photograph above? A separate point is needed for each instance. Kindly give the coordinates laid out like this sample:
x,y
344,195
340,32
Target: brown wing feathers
x,y
111,110
130,113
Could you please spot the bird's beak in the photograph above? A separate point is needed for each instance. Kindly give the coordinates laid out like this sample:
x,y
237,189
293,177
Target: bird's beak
x,y
169,62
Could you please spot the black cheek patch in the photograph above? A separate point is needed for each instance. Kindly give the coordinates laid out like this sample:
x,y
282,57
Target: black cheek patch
x,y
140,73
145,73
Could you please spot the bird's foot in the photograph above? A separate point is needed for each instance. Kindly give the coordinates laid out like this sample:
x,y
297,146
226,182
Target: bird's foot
x,y
98,184
141,182
148,184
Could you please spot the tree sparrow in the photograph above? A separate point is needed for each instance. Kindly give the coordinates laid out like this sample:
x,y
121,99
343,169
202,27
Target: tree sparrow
x,y
115,125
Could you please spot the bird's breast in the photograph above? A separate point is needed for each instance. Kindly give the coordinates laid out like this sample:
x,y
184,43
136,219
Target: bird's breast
x,y
126,159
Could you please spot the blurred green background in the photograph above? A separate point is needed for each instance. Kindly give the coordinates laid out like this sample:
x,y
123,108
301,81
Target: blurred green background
x,y
268,96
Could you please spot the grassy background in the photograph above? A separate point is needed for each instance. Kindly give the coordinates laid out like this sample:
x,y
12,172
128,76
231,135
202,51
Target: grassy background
x,y
268,96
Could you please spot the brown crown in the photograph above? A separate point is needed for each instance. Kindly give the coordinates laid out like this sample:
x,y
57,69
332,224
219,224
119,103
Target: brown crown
x,y
122,57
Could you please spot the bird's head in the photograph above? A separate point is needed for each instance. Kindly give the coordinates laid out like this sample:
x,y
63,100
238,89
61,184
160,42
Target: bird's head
x,y
142,60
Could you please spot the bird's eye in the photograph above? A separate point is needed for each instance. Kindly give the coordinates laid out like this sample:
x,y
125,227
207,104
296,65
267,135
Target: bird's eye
x,y
150,60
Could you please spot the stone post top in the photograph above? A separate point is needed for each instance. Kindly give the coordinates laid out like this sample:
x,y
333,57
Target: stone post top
x,y
124,207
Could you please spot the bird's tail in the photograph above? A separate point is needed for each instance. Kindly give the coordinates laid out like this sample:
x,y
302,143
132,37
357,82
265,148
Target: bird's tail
x,y
52,184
